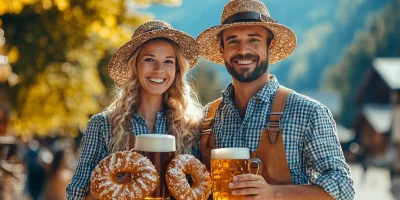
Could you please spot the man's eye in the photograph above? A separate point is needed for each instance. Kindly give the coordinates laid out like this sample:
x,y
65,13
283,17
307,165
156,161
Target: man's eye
x,y
232,41
254,40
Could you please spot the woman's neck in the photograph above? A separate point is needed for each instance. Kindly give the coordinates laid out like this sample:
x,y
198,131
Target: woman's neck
x,y
148,108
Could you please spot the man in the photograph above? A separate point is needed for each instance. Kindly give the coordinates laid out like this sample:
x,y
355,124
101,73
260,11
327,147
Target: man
x,y
297,140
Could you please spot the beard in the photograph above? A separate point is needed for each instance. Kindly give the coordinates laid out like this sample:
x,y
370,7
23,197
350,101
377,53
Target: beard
x,y
246,75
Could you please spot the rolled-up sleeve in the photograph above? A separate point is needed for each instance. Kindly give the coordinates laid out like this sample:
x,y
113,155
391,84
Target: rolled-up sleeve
x,y
93,150
326,164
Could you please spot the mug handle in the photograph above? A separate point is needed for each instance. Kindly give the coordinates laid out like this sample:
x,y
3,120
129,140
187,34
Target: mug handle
x,y
254,160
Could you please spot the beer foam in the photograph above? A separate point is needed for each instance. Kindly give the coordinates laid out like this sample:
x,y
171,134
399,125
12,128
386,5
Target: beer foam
x,y
155,143
230,153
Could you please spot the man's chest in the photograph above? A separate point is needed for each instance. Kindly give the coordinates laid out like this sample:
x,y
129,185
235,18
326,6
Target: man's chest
x,y
232,131
229,131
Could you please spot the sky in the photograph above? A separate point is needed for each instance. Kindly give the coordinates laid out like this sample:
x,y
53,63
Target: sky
x,y
194,16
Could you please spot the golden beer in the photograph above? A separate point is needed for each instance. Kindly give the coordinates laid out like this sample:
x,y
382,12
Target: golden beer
x,y
160,150
225,164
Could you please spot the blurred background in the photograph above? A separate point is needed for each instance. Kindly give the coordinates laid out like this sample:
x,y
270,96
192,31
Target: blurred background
x,y
53,78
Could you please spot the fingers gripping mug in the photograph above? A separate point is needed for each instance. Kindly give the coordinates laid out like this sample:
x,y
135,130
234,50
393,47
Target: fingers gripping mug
x,y
227,163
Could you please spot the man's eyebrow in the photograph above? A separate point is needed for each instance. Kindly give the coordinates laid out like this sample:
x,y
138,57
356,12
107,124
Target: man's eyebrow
x,y
230,37
254,35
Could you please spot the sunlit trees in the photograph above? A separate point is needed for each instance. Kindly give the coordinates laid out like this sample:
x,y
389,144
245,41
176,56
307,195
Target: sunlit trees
x,y
207,82
380,39
59,49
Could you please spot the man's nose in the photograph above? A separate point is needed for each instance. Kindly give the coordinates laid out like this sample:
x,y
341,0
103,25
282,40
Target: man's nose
x,y
243,48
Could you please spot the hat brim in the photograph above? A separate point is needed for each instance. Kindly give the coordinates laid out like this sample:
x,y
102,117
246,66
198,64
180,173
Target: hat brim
x,y
118,67
284,38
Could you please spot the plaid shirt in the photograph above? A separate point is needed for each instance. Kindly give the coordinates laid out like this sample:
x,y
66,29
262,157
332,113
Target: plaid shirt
x,y
311,145
94,148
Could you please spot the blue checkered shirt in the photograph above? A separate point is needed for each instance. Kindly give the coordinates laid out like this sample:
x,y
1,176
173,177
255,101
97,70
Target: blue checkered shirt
x,y
94,148
310,141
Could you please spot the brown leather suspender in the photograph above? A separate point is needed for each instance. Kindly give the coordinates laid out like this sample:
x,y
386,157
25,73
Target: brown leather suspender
x,y
270,149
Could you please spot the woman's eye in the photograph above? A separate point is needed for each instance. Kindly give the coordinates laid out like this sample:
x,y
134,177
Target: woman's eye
x,y
169,61
149,60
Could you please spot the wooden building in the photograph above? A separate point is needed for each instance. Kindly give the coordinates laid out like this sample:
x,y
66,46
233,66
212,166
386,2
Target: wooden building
x,y
377,126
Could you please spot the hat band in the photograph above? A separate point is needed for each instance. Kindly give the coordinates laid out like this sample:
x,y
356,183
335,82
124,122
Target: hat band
x,y
155,28
248,16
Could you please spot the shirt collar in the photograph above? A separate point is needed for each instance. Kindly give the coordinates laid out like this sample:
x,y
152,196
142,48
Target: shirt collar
x,y
140,119
265,94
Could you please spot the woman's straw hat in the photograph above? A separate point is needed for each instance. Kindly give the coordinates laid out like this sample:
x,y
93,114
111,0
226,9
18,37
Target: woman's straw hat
x,y
118,68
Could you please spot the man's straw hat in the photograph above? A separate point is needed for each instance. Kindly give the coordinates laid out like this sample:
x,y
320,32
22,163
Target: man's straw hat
x,y
246,13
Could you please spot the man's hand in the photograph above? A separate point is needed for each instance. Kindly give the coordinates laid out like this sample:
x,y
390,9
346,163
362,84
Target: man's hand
x,y
252,186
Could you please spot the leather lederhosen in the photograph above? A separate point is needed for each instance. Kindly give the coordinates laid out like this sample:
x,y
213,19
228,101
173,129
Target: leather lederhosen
x,y
270,148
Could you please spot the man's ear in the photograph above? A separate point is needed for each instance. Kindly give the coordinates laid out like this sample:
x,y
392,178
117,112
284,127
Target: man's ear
x,y
272,45
221,51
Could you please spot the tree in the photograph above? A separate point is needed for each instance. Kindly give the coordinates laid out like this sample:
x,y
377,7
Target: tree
x,y
379,39
60,50
206,82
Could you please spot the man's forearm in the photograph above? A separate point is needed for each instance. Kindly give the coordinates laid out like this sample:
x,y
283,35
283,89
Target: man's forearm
x,y
300,192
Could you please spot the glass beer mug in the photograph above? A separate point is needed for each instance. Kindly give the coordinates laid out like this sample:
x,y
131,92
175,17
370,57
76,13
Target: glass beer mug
x,y
227,163
160,150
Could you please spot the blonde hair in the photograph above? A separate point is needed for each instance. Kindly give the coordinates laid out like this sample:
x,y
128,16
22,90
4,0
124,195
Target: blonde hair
x,y
183,110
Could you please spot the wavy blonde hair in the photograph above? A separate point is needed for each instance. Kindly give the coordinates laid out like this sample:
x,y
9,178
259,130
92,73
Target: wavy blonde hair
x,y
183,110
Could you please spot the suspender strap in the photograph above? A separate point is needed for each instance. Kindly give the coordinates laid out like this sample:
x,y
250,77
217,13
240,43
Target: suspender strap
x,y
207,138
207,124
276,113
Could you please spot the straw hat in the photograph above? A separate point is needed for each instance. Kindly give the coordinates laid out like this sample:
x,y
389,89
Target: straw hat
x,y
118,66
249,12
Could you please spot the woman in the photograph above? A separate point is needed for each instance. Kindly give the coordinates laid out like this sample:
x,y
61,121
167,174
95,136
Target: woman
x,y
154,97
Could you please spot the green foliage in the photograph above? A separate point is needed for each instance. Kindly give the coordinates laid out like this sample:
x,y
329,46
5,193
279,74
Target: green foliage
x,y
207,82
60,50
380,39
324,35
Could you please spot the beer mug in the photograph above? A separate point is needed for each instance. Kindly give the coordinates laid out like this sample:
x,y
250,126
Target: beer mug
x,y
227,163
160,150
